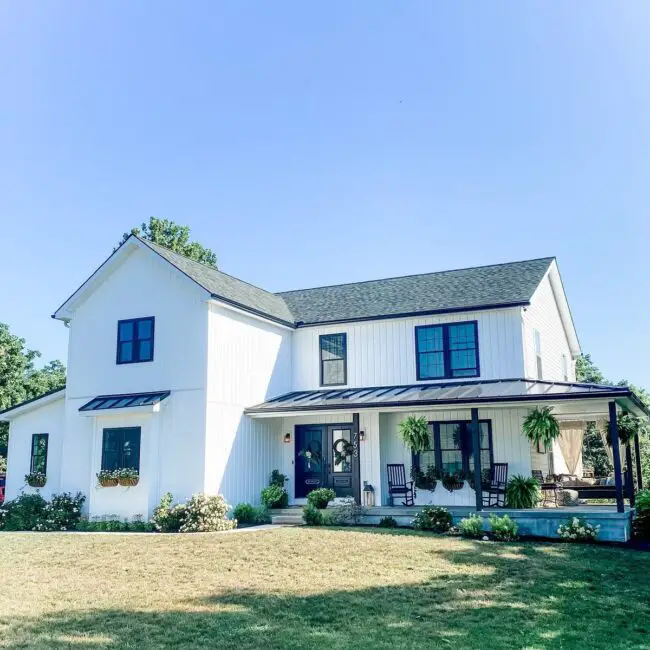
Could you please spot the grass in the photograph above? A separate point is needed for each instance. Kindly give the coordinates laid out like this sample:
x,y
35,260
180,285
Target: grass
x,y
318,588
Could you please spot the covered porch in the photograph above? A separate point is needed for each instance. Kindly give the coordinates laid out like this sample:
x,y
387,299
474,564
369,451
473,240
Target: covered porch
x,y
346,439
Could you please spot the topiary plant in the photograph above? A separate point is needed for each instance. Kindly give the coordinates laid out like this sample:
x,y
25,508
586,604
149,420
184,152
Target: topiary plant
x,y
414,431
522,492
541,426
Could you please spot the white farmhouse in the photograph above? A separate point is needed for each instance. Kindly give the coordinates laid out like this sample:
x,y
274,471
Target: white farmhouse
x,y
204,383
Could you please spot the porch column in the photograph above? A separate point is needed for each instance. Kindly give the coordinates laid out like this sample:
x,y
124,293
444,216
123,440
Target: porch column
x,y
637,458
616,455
629,476
476,446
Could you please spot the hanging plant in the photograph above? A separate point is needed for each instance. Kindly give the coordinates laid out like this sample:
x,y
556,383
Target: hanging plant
x,y
629,426
415,433
541,426
453,481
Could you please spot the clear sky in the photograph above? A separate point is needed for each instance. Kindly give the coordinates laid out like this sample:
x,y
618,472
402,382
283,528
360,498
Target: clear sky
x,y
312,143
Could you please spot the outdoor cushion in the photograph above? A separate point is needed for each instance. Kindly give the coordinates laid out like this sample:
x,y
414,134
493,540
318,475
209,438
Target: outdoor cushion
x,y
568,498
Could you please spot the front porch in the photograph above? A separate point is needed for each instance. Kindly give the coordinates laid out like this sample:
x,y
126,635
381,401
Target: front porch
x,y
345,439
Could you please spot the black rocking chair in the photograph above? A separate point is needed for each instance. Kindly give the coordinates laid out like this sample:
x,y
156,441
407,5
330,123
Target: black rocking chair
x,y
398,485
494,494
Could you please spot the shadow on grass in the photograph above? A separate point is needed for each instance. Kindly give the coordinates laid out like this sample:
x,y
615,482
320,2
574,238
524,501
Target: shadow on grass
x,y
506,596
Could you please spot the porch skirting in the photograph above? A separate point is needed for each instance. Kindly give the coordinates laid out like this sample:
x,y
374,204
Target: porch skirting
x,y
538,522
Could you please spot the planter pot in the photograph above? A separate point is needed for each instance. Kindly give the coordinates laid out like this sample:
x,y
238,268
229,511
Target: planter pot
x,y
453,486
108,482
128,482
36,484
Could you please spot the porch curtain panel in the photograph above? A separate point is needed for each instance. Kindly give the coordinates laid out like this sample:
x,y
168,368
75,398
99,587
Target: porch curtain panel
x,y
572,435
602,426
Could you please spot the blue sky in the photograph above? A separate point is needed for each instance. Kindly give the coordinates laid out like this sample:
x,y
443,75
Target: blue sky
x,y
325,142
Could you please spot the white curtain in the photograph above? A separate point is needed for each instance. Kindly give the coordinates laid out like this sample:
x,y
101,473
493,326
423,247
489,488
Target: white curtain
x,y
602,425
571,438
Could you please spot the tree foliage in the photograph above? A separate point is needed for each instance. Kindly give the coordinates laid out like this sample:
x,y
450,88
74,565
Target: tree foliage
x,y
175,237
20,380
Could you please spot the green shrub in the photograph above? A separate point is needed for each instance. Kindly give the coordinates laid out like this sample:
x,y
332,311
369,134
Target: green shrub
x,y
261,516
278,478
115,526
244,513
312,515
433,518
642,516
167,518
63,512
25,512
321,497
205,514
387,522
503,528
472,526
522,492
275,496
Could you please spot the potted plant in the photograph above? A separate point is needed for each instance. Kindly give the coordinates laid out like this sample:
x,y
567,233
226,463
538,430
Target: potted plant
x,y
522,492
414,431
36,479
541,426
128,477
107,478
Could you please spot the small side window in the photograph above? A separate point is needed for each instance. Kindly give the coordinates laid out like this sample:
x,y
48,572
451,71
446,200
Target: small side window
x,y
538,353
38,462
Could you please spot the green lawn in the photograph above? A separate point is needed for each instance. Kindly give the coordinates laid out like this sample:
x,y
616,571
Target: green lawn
x,y
317,588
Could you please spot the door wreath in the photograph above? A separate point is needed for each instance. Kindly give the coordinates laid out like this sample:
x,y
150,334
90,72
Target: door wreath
x,y
342,449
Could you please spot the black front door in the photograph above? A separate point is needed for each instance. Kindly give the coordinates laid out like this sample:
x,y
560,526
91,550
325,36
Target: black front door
x,y
327,456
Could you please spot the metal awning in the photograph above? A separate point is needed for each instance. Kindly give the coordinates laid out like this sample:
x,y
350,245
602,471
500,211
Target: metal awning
x,y
108,402
472,392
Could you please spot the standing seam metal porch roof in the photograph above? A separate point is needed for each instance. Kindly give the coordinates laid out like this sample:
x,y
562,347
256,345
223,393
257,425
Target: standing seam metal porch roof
x,y
448,393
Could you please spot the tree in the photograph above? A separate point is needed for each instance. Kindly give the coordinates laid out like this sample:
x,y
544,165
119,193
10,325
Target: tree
x,y
20,380
175,237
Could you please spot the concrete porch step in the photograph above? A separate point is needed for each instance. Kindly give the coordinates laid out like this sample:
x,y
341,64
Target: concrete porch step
x,y
290,519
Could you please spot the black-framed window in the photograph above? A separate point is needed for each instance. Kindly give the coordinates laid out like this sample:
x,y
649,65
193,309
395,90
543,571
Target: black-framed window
x,y
135,340
333,359
447,351
451,448
121,448
38,462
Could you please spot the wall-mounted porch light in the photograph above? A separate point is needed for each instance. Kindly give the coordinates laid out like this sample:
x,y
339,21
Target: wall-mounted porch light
x,y
287,437
362,436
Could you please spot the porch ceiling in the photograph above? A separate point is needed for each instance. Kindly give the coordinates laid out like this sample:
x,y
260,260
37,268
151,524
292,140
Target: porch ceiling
x,y
489,392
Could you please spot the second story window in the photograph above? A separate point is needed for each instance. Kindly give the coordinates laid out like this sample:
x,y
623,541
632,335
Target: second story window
x,y
333,359
135,340
565,367
537,342
447,351
38,463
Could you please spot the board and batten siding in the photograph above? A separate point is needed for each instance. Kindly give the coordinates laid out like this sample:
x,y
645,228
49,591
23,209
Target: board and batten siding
x,y
508,443
249,361
382,352
543,315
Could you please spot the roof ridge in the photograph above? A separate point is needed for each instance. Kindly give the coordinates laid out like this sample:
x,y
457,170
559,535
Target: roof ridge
x,y
415,275
207,266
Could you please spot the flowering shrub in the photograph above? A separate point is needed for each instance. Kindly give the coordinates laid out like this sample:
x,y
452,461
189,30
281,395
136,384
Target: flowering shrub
x,y
33,512
471,526
201,514
433,518
503,528
205,513
578,530
387,522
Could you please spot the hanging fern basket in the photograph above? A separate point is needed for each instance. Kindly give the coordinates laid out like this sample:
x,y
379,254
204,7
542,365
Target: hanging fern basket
x,y
415,433
629,426
541,426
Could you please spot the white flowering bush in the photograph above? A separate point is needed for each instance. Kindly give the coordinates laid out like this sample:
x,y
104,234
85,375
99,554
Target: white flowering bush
x,y
577,529
33,512
201,514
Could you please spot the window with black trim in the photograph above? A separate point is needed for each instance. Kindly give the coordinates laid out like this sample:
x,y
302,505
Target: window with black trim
x,y
121,449
135,340
38,462
447,351
333,359
451,449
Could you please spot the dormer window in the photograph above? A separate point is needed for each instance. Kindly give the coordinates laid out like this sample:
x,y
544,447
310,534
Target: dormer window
x,y
447,351
135,340
333,359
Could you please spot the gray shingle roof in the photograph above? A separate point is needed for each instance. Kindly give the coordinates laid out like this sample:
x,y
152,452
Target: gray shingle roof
x,y
484,286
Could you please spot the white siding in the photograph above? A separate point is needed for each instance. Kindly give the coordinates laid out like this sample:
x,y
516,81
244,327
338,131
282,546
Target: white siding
x,y
46,419
543,315
249,360
382,352
508,443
